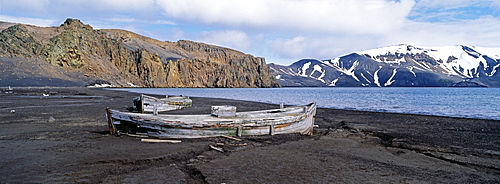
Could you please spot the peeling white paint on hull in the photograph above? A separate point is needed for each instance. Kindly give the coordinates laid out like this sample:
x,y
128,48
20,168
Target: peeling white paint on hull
x,y
297,119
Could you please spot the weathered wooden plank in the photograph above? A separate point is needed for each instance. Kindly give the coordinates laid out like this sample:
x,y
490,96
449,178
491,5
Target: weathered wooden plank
x,y
160,141
229,137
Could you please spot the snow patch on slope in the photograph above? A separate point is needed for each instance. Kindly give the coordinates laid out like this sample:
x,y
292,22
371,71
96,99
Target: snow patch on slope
x,y
390,80
317,68
335,63
302,70
366,79
460,60
376,78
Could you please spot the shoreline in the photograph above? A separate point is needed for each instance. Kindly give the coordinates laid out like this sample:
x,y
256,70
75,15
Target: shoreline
x,y
388,112
387,103
64,138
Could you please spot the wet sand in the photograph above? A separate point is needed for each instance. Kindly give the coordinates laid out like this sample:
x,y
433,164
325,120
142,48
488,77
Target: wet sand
x,y
63,138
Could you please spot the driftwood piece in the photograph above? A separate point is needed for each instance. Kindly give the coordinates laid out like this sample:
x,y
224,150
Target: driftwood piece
x,y
158,140
134,135
216,148
229,137
243,144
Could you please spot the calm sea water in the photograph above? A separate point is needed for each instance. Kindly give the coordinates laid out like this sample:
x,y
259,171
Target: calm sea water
x,y
482,103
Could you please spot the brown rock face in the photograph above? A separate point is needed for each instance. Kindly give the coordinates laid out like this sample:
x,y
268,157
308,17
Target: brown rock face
x,y
122,58
211,66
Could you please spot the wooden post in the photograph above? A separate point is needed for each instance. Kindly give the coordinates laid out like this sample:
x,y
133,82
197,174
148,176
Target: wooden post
x,y
142,103
112,129
155,109
271,129
239,130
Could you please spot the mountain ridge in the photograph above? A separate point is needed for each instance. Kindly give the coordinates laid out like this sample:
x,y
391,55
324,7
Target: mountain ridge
x,y
400,65
74,54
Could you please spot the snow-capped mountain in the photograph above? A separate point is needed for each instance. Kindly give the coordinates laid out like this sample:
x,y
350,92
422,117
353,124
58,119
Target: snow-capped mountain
x,y
399,65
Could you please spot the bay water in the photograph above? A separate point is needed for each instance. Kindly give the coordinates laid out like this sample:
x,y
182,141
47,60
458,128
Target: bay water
x,y
480,103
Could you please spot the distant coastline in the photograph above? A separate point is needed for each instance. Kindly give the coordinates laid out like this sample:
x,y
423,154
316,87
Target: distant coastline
x,y
450,102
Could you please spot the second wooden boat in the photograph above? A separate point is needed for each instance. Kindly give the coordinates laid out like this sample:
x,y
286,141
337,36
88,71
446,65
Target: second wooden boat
x,y
145,103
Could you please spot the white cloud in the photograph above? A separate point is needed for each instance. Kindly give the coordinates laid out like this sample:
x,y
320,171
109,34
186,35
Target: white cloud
x,y
452,4
106,6
496,5
135,20
167,22
445,4
174,35
227,38
480,32
290,48
319,46
119,10
26,6
122,19
27,20
121,5
359,16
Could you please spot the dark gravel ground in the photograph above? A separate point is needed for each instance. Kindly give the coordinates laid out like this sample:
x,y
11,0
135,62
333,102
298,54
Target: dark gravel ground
x,y
63,138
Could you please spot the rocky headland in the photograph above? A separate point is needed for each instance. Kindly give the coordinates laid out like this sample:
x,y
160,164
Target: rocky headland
x,y
75,54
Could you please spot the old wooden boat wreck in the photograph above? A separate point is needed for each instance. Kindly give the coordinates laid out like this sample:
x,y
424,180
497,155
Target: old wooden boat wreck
x,y
224,121
145,103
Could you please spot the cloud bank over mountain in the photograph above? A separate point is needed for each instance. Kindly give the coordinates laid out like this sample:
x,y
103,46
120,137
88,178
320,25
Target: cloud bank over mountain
x,y
282,31
375,16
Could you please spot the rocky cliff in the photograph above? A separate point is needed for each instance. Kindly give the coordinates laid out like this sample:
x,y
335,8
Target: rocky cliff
x,y
76,54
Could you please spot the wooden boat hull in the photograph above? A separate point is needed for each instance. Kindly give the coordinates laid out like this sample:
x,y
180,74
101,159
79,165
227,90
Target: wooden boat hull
x,y
298,119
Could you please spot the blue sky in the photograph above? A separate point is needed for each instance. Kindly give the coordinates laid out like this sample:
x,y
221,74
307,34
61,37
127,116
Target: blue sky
x,y
282,31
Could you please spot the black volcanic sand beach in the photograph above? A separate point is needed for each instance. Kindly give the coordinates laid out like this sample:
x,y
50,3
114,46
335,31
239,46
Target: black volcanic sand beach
x,y
63,138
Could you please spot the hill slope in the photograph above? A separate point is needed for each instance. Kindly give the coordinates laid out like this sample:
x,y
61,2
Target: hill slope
x,y
74,54
398,66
